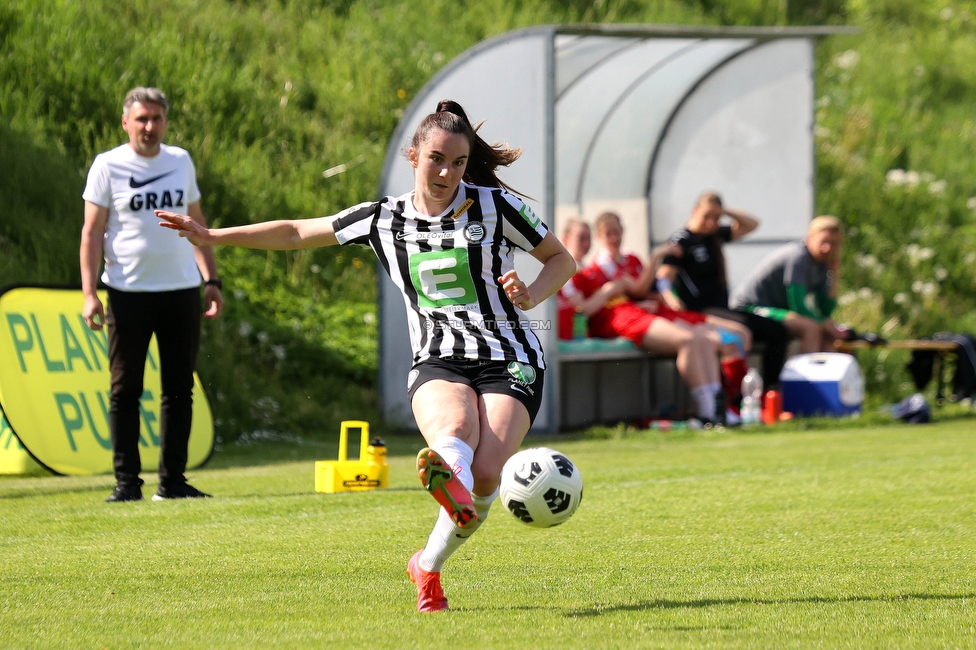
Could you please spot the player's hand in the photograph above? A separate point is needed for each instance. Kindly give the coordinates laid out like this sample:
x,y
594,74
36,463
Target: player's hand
x,y
213,300
93,312
516,291
186,227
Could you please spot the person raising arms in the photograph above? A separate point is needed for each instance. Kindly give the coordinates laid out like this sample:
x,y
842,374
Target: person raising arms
x,y
478,370
697,278
719,336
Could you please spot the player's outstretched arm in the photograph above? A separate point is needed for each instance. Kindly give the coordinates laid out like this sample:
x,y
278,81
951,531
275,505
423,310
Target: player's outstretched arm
x,y
268,235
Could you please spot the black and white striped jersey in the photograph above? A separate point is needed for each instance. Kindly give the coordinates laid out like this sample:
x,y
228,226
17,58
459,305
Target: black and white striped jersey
x,y
447,268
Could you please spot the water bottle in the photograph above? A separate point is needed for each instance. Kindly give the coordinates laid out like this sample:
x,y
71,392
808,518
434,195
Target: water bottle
x,y
772,407
752,388
579,324
376,452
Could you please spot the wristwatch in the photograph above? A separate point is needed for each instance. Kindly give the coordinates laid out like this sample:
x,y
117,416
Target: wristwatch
x,y
214,282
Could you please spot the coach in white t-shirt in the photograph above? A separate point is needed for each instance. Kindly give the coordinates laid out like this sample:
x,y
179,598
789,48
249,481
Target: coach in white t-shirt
x,y
153,282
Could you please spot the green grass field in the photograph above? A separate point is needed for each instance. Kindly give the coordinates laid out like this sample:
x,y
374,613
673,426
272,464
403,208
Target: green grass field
x,y
846,537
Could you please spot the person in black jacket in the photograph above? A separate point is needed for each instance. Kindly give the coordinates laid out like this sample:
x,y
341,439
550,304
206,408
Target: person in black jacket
x,y
697,279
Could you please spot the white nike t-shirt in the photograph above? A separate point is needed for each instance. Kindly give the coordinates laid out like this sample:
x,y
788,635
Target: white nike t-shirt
x,y
139,255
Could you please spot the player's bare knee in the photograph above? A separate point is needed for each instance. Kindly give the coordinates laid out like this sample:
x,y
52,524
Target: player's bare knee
x,y
486,484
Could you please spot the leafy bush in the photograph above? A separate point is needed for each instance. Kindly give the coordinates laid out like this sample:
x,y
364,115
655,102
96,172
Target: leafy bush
x,y
267,95
895,135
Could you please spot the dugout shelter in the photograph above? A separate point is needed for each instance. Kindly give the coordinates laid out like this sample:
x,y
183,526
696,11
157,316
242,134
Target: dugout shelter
x,y
639,119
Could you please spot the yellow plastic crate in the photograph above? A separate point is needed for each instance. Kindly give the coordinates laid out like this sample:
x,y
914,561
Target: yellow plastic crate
x,y
371,471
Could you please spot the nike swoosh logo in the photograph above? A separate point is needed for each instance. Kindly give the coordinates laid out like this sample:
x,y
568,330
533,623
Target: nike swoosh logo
x,y
134,184
514,387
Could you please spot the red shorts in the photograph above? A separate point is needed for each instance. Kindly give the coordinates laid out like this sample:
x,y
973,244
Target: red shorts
x,y
630,321
690,317
625,319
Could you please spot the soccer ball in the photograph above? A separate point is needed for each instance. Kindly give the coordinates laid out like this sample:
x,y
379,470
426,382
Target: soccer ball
x,y
541,487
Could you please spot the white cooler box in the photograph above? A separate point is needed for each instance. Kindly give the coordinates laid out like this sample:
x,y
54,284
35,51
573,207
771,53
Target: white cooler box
x,y
824,383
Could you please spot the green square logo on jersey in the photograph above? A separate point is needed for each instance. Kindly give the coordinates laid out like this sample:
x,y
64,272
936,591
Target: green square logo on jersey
x,y
442,278
529,216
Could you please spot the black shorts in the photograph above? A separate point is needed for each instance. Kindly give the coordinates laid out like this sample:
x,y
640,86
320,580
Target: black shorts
x,y
518,380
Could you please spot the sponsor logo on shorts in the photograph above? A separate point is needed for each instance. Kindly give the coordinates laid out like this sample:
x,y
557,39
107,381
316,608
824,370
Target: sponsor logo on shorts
x,y
522,377
411,378
525,374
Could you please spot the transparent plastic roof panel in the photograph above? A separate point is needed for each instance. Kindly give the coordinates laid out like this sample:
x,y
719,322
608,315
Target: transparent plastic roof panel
x,y
640,119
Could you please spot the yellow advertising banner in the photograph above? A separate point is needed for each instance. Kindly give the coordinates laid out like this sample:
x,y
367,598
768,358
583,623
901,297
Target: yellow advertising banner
x,y
14,459
54,386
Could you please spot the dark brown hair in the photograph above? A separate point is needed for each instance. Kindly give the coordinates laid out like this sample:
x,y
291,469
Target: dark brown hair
x,y
483,159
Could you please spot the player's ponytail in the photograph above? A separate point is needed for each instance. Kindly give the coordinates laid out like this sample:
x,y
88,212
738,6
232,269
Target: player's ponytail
x,y
483,158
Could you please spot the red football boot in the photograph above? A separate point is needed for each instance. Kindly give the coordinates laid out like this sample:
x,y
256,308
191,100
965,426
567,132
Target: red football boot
x,y
443,485
430,595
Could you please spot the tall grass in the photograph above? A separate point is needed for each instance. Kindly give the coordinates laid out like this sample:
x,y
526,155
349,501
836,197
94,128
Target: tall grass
x,y
269,94
895,136
266,96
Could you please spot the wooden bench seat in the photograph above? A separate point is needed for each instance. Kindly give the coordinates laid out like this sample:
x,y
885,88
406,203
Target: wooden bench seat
x,y
942,348
605,381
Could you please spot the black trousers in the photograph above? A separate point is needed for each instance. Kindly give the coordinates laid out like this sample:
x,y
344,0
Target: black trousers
x,y
132,318
772,334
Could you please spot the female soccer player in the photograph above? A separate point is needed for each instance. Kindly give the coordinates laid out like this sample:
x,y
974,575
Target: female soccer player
x,y
684,333
477,376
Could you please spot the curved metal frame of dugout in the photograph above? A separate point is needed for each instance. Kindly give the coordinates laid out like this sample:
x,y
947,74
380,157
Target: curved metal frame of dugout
x,y
639,119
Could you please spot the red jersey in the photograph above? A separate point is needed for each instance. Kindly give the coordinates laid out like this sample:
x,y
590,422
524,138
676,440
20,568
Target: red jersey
x,y
605,269
614,270
578,288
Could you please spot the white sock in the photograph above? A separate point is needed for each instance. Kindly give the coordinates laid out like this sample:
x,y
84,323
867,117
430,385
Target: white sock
x,y
483,504
448,537
705,399
459,455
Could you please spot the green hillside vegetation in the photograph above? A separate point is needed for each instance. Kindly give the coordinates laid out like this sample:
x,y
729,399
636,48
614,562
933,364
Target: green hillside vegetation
x,y
269,94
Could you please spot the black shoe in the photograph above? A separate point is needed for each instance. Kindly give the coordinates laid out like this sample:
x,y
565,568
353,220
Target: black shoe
x,y
125,493
184,491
